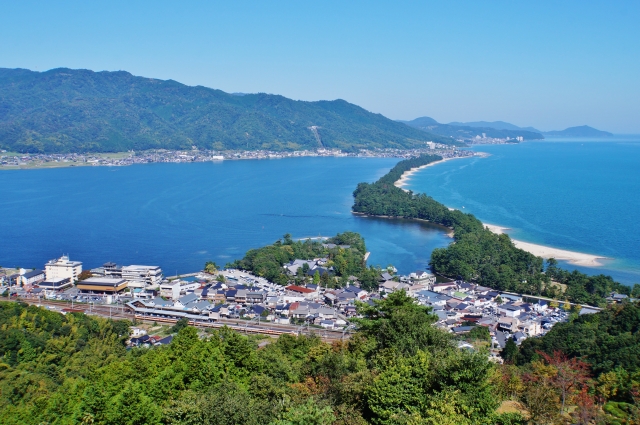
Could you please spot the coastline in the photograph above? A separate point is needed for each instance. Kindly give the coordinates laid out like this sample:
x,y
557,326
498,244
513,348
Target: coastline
x,y
572,257
404,178
445,229
17,161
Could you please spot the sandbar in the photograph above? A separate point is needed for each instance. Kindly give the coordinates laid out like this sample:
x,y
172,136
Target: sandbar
x,y
404,178
576,258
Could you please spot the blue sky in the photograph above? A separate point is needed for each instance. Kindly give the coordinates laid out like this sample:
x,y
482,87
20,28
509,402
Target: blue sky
x,y
547,64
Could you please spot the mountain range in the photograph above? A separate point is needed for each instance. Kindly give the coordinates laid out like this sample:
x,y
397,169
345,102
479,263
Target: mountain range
x,y
579,131
499,129
66,110
467,132
498,125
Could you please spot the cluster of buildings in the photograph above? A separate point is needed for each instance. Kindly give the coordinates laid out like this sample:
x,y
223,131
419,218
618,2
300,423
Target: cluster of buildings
x,y
460,306
235,294
484,140
62,275
129,158
196,155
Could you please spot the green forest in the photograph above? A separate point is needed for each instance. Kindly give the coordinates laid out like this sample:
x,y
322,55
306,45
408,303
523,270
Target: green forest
x,y
397,369
268,261
477,254
67,110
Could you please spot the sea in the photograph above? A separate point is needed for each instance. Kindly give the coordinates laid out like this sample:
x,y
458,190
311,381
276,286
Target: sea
x,y
578,195
180,215
575,194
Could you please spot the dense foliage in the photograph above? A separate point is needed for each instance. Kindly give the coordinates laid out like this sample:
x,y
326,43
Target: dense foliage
x,y
268,261
586,370
410,374
477,254
607,340
65,110
383,198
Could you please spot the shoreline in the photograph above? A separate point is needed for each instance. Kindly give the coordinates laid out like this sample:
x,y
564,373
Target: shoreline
x,y
546,252
572,257
445,229
16,161
404,178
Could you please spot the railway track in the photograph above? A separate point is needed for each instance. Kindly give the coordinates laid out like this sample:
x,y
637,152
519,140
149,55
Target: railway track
x,y
248,327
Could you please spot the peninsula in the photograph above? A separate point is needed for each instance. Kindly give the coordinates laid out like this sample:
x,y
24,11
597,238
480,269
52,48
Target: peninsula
x,y
546,252
478,254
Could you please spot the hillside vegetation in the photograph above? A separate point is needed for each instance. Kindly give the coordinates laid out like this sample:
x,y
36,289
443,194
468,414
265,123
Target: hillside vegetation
x,y
65,110
399,369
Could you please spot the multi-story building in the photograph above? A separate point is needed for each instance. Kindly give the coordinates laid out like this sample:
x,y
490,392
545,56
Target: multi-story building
x,y
148,277
62,268
112,270
175,288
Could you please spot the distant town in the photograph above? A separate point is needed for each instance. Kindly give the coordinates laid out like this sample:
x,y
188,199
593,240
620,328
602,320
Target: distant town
x,y
25,161
250,303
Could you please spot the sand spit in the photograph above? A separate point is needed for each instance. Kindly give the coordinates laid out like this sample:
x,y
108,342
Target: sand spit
x,y
407,174
577,258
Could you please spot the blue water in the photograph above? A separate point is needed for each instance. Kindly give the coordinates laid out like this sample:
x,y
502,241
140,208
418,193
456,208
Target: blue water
x,y
178,216
578,195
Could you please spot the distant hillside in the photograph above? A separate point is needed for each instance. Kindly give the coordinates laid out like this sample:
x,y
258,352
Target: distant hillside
x,y
64,110
498,125
580,131
466,132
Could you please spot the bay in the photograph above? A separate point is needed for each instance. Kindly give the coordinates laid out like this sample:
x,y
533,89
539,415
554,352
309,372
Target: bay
x,y
178,216
579,195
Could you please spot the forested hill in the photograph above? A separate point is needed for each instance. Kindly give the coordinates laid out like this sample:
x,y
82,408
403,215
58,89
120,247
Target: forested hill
x,y
65,110
463,132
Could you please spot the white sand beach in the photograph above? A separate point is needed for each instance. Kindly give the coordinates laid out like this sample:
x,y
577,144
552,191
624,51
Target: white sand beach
x,y
407,174
577,258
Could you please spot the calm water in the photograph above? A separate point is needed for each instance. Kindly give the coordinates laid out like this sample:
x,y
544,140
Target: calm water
x,y
178,216
581,196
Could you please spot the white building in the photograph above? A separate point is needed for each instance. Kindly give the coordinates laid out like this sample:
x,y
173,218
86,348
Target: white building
x,y
423,277
148,277
177,287
31,277
509,310
62,268
170,290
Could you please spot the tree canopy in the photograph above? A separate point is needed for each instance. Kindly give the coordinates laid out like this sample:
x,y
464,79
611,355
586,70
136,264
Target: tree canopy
x,y
71,110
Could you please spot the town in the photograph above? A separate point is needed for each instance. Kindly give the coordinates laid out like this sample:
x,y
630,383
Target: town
x,y
241,300
38,160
